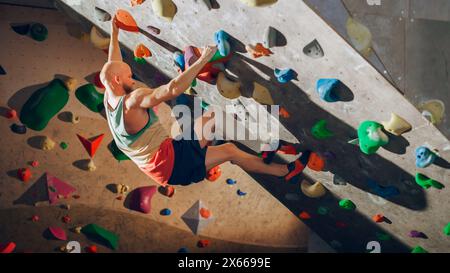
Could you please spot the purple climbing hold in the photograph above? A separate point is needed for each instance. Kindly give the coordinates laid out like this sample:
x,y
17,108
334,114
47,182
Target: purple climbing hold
x,y
417,234
18,128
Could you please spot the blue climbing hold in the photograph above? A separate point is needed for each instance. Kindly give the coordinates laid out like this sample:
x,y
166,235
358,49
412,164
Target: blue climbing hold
x,y
221,39
241,193
326,89
424,157
18,128
183,250
166,212
182,100
231,181
178,58
285,75
382,191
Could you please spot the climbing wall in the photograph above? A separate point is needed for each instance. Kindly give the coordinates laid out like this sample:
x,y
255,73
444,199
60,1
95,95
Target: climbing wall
x,y
381,183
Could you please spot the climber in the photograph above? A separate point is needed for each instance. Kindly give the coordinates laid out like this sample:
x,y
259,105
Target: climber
x,y
137,132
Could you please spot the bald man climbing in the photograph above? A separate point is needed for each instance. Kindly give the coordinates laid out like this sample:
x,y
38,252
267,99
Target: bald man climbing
x,y
138,133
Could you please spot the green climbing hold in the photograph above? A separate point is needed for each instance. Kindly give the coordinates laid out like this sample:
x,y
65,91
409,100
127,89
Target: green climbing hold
x,y
101,234
90,97
320,131
63,145
139,60
383,236
426,182
204,105
38,32
418,249
347,204
371,137
117,153
216,57
322,210
44,104
194,83
447,229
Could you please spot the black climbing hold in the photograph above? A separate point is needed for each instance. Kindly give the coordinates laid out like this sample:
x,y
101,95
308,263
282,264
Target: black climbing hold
x,y
18,128
21,29
38,32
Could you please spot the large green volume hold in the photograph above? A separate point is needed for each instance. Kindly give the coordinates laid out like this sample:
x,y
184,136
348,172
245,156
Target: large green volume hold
x,y
104,236
44,104
90,97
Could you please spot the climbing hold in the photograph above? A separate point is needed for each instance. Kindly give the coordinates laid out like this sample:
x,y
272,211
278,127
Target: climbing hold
x,y
125,21
205,213
378,218
270,37
433,110
360,36
223,45
90,97
327,89
213,174
383,191
396,125
337,180
47,144
183,250
91,166
7,248
97,81
211,70
141,51
424,157
417,234
77,230
347,204
313,50
418,249
258,50
141,199
2,70
284,75
91,145
371,137
18,128
447,229
241,193
316,162
322,210
227,88
426,182
304,215
383,236
168,190
38,32
35,218
203,243
63,145
34,163
315,190
154,30
66,219
11,114
102,15
57,188
91,249
98,40
21,29
258,3
193,218
320,131
165,212
116,152
164,8
178,58
70,84
44,104
231,181
58,233
136,2
284,113
204,105
24,174
101,234
121,188
262,94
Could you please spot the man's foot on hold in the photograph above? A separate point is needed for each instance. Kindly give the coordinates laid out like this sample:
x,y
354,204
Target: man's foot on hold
x,y
283,148
295,168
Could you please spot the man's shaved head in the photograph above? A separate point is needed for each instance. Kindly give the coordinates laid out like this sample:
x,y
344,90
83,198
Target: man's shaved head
x,y
118,77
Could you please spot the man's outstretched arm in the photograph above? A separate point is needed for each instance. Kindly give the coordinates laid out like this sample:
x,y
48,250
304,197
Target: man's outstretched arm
x,y
114,53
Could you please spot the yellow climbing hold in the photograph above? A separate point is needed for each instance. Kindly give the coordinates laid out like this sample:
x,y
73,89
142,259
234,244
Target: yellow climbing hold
x,y
258,3
262,94
74,118
122,188
71,84
98,40
164,8
91,166
47,144
396,125
433,110
227,88
315,190
360,36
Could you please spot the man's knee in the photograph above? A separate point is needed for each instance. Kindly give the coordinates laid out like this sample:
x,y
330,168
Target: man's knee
x,y
232,151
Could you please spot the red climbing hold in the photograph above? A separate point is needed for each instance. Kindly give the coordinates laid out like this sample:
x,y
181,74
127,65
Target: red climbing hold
x,y
205,213
214,173
91,249
66,219
24,174
167,190
316,163
11,114
91,145
304,215
203,243
35,218
8,247
34,163
76,196
284,113
58,233
97,81
378,218
287,150
120,198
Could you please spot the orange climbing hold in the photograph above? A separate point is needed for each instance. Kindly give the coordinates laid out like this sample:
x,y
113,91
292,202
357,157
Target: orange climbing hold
x,y
205,213
125,21
214,174
141,51
203,243
258,50
136,2
378,218
91,145
284,113
304,215
316,163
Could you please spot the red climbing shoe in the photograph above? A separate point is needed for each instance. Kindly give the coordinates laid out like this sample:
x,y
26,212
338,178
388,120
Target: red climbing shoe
x,y
297,167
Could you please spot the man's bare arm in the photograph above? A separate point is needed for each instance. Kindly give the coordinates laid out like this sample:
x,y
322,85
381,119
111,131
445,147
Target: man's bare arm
x,y
114,53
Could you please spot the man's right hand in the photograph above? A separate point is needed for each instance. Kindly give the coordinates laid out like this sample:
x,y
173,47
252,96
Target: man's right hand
x,y
208,52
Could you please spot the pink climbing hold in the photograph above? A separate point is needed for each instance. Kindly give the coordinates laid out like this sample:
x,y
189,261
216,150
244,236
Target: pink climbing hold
x,y
34,163
57,187
7,248
24,174
66,219
141,199
58,233
35,218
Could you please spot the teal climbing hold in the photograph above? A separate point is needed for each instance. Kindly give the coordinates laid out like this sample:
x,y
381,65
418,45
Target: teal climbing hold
x,y
323,210
284,75
44,104
327,89
418,249
424,157
320,131
2,71
178,58
90,97
426,182
447,229
347,204
116,152
101,234
371,137
38,32
204,105
21,29
223,45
